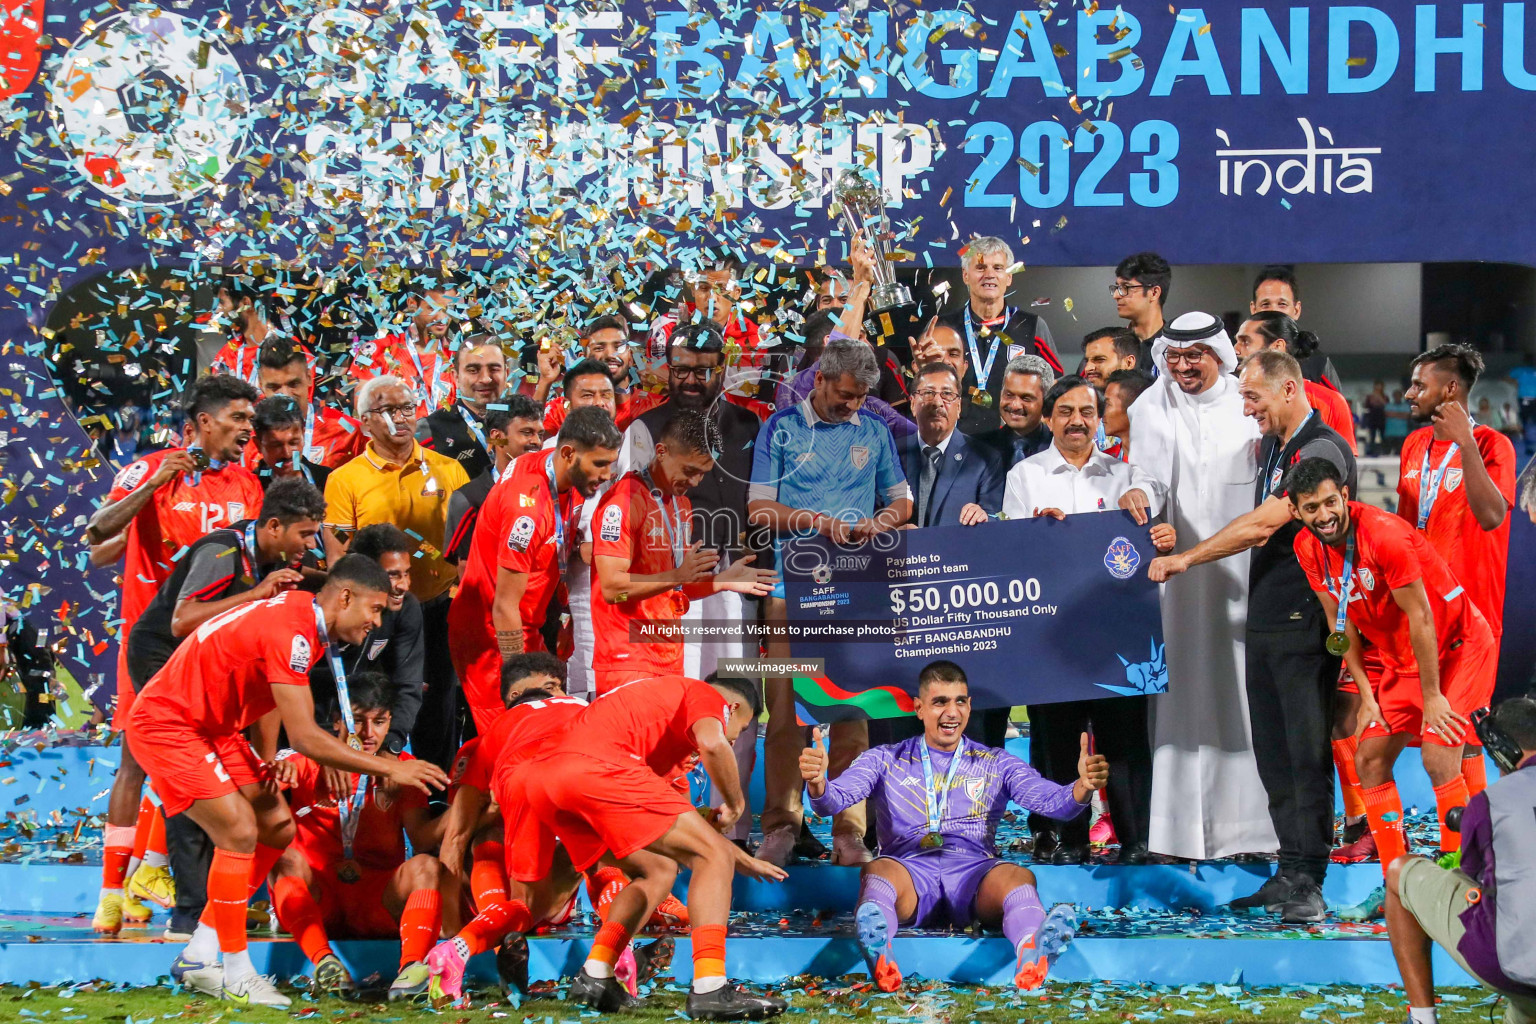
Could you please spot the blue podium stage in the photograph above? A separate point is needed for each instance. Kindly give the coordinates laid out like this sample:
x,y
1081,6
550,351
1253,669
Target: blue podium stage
x,y
1163,924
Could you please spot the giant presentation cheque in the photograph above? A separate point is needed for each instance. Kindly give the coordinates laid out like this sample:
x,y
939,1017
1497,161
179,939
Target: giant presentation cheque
x,y
1036,611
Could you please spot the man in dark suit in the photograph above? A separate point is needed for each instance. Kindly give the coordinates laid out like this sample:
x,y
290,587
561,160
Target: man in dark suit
x,y
1026,379
954,481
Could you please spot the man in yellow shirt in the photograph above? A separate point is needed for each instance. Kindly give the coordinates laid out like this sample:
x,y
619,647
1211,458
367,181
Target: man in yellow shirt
x,y
395,480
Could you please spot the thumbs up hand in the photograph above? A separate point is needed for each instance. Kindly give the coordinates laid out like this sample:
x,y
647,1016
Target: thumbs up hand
x,y
813,764
1092,772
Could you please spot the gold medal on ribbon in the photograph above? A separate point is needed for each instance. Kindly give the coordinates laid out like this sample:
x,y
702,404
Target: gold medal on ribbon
x,y
349,871
1337,643
933,841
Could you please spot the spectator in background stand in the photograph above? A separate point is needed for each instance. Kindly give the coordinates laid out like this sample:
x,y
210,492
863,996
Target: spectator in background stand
x,y
242,304
821,467
512,428
1524,378
1069,478
1509,425
1023,432
1276,290
1140,292
1398,414
1109,350
396,480
330,437
1376,419
278,438
993,332
1275,331
22,649
458,431
1121,390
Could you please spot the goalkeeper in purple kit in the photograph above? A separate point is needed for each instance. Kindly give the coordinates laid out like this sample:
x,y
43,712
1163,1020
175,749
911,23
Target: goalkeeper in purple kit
x,y
938,798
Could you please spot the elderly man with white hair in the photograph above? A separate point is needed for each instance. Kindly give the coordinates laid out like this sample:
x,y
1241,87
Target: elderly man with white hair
x,y
1189,435
993,332
396,480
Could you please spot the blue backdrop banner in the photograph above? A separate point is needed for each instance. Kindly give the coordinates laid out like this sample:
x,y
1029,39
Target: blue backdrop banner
x,y
1035,611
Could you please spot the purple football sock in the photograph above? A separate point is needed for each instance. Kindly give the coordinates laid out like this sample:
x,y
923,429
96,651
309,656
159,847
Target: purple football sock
x,y
1022,914
882,894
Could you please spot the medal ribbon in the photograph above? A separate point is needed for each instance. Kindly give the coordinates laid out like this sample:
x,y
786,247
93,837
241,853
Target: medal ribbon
x,y
554,501
1429,484
938,802
1346,583
430,386
352,812
250,550
677,528
984,369
343,695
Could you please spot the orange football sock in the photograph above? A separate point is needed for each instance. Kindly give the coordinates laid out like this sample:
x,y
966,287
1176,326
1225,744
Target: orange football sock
x,y
1475,771
117,851
708,952
261,865
1349,779
1384,810
229,889
607,945
603,884
300,915
1452,794
495,922
420,924
143,825
488,874
154,847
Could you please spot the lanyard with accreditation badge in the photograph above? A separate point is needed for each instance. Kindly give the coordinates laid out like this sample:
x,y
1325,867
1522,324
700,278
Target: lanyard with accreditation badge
x,y
937,802
351,812
554,503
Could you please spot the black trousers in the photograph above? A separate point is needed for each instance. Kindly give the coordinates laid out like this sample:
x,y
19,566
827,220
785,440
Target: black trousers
x,y
1292,682
190,852
1120,734
438,733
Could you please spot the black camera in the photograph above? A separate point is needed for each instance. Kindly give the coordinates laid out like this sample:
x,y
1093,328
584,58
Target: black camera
x,y
1506,753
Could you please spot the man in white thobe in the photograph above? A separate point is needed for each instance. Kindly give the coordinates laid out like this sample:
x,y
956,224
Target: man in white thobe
x,y
1189,435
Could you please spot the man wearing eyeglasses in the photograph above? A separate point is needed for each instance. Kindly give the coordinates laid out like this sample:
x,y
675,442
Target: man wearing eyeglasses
x,y
1140,292
956,481
396,480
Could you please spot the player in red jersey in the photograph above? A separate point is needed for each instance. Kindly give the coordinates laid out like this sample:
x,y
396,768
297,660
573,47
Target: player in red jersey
x,y
346,874
516,559
536,717
421,355
605,341
1435,646
157,508
1456,484
247,666
331,437
608,790
645,566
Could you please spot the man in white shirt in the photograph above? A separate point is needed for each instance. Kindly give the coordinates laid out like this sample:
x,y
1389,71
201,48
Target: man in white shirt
x,y
1070,477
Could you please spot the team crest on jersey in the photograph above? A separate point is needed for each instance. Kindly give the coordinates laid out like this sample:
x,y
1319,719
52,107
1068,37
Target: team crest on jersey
x,y
613,524
522,534
298,654
376,648
859,454
132,476
1014,351
1121,559
1366,579
974,788
460,766
1452,479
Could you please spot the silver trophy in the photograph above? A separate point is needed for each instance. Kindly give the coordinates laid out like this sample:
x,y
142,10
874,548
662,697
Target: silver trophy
x,y
863,206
